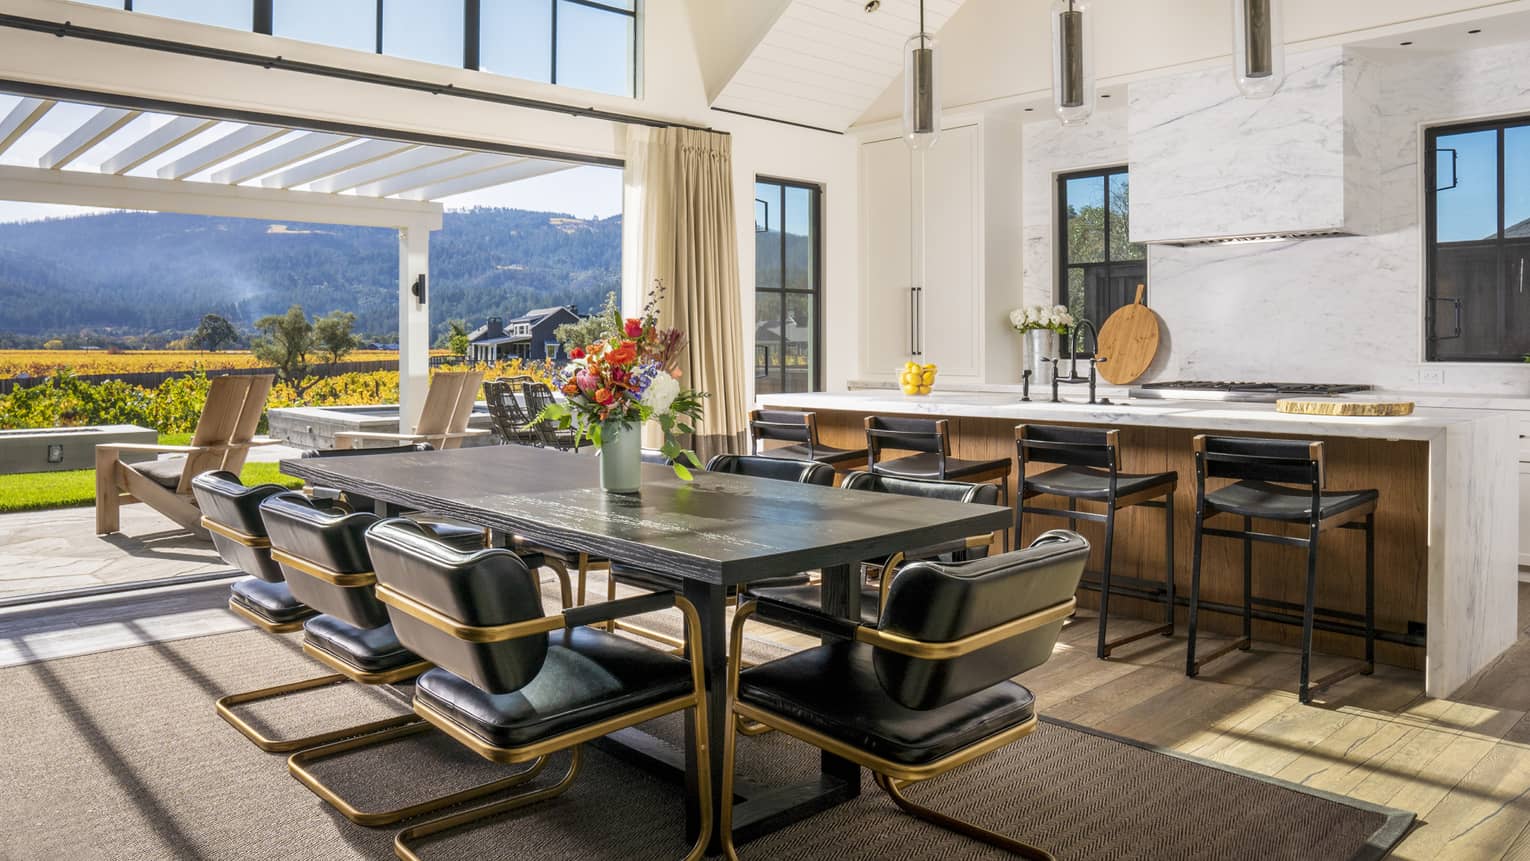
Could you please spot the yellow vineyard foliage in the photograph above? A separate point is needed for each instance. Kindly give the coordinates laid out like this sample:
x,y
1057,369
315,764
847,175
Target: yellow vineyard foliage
x,y
40,363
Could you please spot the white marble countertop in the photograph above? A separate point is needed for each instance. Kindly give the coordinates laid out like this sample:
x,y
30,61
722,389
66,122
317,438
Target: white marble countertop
x,y
1425,423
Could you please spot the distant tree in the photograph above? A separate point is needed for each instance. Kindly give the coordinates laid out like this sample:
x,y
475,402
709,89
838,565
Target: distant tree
x,y
214,332
284,343
457,337
333,337
53,344
605,324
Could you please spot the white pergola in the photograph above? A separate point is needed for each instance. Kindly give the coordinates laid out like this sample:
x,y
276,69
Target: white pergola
x,y
74,153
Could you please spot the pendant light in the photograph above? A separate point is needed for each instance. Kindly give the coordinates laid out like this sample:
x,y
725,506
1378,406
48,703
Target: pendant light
x,y
921,78
1072,61
1259,51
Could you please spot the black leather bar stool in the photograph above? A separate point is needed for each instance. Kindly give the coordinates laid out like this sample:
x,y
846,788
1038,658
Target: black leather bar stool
x,y
930,440
808,597
231,513
513,684
927,687
1280,480
800,430
1089,468
758,466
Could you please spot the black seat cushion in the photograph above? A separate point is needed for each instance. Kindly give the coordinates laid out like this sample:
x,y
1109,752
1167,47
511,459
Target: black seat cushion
x,y
821,453
834,689
165,472
271,601
631,575
927,465
1278,502
809,598
1083,482
588,676
371,650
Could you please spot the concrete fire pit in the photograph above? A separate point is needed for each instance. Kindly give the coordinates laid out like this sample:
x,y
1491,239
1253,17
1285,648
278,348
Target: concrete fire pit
x,y
54,449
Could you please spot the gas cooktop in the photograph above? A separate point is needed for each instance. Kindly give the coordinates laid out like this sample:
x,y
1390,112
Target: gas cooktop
x,y
1216,390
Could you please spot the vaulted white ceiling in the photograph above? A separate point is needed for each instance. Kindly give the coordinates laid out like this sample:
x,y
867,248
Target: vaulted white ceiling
x,y
823,62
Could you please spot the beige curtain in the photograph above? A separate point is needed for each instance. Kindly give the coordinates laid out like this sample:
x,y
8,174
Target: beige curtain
x,y
679,191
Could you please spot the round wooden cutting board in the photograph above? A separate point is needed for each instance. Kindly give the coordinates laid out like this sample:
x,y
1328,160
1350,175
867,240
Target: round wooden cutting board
x,y
1129,339
1319,407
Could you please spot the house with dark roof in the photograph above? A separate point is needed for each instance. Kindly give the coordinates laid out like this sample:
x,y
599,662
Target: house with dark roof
x,y
527,337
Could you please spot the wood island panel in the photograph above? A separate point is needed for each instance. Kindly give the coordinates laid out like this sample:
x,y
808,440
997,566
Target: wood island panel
x,y
1399,470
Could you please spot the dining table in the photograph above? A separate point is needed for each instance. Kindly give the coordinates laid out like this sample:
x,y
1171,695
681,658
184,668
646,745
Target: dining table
x,y
715,531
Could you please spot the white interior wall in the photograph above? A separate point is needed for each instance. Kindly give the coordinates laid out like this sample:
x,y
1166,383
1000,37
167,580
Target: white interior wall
x,y
674,88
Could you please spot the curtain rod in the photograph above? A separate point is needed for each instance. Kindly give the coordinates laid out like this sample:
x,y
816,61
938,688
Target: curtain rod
x,y
64,29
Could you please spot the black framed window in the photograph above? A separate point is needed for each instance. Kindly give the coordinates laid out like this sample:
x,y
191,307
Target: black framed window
x,y
1477,236
788,296
588,44
1098,267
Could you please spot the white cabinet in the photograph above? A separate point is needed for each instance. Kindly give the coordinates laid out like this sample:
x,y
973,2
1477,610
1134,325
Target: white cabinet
x,y
1524,516
943,323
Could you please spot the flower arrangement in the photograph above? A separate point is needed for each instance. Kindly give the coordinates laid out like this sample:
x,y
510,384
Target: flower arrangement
x,y
628,377
1053,318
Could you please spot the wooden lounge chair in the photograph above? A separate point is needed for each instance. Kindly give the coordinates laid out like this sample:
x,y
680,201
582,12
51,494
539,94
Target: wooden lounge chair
x,y
443,420
225,432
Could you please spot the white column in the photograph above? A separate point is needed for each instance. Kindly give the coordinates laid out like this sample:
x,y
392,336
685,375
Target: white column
x,y
413,325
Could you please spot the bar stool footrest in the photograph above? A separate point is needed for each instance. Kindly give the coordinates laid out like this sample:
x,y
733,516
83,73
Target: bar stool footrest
x,y
1242,644
1140,635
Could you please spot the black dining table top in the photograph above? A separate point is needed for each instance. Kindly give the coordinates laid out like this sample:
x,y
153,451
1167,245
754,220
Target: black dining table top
x,y
718,528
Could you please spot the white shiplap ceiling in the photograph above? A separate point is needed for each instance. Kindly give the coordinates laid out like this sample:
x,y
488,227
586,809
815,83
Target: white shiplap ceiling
x,y
824,62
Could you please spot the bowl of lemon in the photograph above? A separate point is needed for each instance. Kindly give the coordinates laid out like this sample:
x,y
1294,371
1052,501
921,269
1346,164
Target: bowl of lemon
x,y
915,379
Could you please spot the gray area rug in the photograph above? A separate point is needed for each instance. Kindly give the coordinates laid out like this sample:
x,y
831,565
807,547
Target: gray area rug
x,y
120,755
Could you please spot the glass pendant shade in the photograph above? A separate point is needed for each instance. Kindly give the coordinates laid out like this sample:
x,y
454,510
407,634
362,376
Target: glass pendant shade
x,y
1072,61
1259,51
921,79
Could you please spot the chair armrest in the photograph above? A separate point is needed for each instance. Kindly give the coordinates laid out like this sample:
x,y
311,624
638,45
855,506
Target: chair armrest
x,y
462,433
607,611
350,436
152,446
266,440
800,619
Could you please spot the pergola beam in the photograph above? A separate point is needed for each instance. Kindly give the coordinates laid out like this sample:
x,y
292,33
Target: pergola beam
x,y
363,153
101,125
394,165
305,145
431,174
525,169
157,142
21,118
236,142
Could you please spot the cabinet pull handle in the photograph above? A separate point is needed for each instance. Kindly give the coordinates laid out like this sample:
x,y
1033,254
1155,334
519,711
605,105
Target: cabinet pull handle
x,y
913,320
919,331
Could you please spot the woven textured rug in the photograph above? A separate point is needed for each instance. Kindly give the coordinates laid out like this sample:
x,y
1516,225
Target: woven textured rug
x,y
120,755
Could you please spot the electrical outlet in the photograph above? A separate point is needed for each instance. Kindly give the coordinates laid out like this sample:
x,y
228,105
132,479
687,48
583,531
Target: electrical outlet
x,y
1428,376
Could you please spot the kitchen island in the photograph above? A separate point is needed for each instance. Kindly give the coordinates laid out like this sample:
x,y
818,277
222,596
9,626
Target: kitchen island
x,y
1447,522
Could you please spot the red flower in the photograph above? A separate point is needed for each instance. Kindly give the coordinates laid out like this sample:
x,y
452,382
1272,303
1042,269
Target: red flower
x,y
576,353
623,355
634,327
604,396
619,375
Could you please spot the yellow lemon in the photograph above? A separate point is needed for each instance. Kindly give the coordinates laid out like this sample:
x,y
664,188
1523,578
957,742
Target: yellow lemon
x,y
931,367
924,390
911,366
927,378
910,390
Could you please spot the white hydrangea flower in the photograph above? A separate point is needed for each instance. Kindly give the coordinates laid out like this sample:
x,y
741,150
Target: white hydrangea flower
x,y
661,393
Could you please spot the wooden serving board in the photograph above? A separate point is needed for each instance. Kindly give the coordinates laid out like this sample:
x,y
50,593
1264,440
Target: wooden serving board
x,y
1344,408
1128,340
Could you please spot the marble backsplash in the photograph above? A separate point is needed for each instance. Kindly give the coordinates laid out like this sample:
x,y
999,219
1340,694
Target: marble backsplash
x,y
1339,309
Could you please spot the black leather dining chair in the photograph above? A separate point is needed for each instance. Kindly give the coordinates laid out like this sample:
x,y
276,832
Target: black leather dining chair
x,y
928,686
513,684
799,431
808,597
1283,481
757,466
231,514
324,557
929,440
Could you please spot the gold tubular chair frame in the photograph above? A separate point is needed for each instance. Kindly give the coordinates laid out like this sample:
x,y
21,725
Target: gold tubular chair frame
x,y
890,776
696,701
344,672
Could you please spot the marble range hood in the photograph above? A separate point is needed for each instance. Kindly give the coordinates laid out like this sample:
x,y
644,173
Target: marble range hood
x,y
1210,166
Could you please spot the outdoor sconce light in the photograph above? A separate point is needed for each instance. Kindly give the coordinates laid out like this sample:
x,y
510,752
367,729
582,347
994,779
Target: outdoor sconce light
x,y
418,289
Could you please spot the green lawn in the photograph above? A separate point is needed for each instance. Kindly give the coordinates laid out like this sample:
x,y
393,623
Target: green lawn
x,y
33,491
